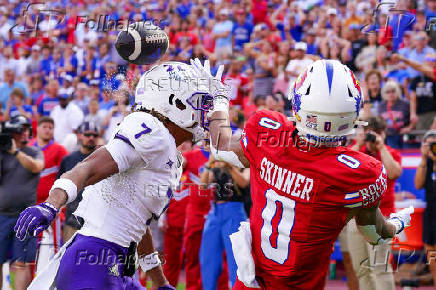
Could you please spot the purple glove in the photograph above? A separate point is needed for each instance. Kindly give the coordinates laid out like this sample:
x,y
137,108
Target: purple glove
x,y
166,287
35,219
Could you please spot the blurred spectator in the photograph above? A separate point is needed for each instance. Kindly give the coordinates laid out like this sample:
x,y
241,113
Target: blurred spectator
x,y
34,65
184,8
242,30
53,153
53,66
366,59
16,106
9,85
110,78
237,81
66,115
81,98
230,184
185,33
87,135
7,61
373,270
396,112
281,83
312,45
419,52
372,93
423,98
172,223
120,109
264,66
95,115
36,90
70,60
222,33
49,100
297,64
196,211
425,178
21,165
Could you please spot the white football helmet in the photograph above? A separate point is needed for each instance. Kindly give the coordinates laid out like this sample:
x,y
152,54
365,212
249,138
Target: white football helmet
x,y
173,90
326,100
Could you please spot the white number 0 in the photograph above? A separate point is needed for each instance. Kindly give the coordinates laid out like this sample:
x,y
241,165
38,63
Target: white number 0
x,y
280,253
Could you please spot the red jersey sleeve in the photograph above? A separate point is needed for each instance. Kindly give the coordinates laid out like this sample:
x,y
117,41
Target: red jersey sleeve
x,y
365,179
261,127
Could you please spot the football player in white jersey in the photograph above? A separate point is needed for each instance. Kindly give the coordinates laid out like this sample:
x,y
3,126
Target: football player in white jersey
x,y
127,183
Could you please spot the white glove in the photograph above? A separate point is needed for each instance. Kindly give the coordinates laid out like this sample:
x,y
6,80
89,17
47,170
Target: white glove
x,y
217,89
401,219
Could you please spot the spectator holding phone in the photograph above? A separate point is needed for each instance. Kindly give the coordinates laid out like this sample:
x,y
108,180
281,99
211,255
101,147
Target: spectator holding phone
x,y
370,263
425,177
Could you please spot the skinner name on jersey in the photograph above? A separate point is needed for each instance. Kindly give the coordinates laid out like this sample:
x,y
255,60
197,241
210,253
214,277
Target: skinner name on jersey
x,y
289,182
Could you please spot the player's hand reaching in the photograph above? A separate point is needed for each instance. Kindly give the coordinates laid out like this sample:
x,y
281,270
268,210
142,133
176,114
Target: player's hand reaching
x,y
217,89
35,219
401,219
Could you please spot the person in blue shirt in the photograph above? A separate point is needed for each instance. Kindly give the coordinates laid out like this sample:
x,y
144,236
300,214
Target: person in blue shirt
x,y
9,85
70,61
110,78
222,33
242,30
50,99
184,8
16,106
52,67
107,103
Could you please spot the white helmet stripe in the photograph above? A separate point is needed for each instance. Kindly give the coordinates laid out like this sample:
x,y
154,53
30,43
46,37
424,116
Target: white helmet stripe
x,y
137,39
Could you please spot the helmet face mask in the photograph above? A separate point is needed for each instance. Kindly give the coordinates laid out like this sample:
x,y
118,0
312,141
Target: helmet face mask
x,y
201,102
326,100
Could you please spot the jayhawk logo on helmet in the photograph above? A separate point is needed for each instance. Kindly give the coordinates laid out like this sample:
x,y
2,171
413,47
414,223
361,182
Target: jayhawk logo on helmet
x,y
300,80
355,82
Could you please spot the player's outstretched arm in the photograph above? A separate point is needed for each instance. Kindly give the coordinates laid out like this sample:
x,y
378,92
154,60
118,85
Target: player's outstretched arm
x,y
224,146
94,168
376,228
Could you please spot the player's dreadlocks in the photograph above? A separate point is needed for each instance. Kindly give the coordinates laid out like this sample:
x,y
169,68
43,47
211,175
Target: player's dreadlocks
x,y
152,112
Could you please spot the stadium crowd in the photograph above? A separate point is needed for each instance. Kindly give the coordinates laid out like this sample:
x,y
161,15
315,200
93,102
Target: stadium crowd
x,y
58,60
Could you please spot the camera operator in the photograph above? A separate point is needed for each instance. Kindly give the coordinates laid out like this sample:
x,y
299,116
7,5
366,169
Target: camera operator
x,y
19,177
371,263
227,212
425,177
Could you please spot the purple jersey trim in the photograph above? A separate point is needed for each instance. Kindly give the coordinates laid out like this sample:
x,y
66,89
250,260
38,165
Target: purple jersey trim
x,y
123,138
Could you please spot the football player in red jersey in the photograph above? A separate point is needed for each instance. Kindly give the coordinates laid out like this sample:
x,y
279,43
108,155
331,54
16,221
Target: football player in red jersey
x,y
305,186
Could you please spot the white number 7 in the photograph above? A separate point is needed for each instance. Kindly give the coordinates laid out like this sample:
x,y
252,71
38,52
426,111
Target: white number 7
x,y
280,253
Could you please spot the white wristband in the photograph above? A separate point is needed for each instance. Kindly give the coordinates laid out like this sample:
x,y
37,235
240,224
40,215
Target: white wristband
x,y
149,261
68,186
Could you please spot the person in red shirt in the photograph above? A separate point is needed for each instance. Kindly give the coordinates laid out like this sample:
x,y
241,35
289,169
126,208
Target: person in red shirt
x,y
238,83
172,224
196,211
185,33
376,272
53,155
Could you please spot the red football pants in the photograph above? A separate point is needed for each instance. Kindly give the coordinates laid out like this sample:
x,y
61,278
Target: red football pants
x,y
192,241
173,249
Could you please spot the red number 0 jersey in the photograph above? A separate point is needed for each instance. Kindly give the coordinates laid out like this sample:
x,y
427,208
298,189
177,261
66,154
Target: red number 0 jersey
x,y
301,200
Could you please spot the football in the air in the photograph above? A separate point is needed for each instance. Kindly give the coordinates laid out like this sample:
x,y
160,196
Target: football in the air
x,y
142,43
